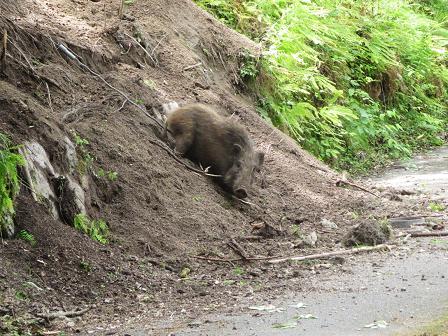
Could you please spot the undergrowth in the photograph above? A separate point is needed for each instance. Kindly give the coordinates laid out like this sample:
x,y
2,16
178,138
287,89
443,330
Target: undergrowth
x,y
9,182
27,236
95,229
356,83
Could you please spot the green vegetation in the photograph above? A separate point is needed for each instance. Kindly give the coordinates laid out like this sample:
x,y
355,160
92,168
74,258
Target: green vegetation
x,y
436,206
239,271
9,182
95,229
110,174
28,237
16,326
438,327
85,266
356,83
86,161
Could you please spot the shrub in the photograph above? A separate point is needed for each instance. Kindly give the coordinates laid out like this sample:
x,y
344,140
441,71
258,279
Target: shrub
x,y
95,229
356,83
9,183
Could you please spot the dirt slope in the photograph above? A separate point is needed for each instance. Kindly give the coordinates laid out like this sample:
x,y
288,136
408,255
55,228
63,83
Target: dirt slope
x,y
160,213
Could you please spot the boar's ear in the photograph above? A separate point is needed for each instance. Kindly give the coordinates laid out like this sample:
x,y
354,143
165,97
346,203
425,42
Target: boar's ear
x,y
237,149
259,159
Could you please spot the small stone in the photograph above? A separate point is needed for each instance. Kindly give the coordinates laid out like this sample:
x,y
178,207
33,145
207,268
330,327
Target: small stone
x,y
310,239
327,224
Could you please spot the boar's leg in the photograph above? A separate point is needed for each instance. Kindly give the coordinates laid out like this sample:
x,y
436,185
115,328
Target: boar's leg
x,y
183,143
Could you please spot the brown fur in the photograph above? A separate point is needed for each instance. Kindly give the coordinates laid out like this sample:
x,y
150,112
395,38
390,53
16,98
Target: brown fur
x,y
216,142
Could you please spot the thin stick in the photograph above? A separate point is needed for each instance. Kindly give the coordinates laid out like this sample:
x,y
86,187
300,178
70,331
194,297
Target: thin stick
x,y
192,66
23,55
122,105
170,152
158,43
235,259
121,10
70,54
49,97
429,234
3,55
233,244
417,217
143,48
105,17
331,254
60,314
339,182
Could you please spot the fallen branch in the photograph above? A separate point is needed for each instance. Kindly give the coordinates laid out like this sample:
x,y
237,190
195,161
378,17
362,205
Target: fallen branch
x,y
429,234
3,54
192,66
417,217
235,259
61,314
233,244
341,182
332,254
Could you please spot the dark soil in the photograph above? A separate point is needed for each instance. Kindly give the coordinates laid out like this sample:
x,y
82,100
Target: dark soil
x,y
161,214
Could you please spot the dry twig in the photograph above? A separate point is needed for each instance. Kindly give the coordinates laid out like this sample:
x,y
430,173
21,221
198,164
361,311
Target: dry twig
x,y
3,54
233,244
341,182
143,48
60,314
332,254
192,66
49,97
235,259
429,234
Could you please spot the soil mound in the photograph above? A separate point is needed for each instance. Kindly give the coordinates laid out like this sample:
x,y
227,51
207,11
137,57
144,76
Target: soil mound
x,y
74,70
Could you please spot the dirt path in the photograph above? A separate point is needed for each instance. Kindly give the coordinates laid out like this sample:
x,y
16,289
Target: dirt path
x,y
406,288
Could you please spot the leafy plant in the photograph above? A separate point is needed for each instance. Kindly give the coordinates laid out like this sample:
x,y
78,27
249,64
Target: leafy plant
x,y
9,182
20,295
86,161
239,271
111,175
356,83
248,66
85,266
436,206
27,236
296,231
95,229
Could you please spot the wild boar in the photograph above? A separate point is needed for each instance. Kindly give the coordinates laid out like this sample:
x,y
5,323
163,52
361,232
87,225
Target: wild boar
x,y
216,142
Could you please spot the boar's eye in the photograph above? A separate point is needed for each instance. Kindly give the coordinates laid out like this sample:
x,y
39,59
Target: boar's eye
x,y
237,149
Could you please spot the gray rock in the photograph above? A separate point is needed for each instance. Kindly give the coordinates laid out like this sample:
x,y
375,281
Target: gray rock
x,y
310,239
327,224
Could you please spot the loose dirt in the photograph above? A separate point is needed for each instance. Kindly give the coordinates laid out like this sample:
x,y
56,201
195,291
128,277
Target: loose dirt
x,y
161,214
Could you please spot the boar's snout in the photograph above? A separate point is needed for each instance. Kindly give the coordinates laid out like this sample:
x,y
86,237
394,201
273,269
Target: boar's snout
x,y
240,193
